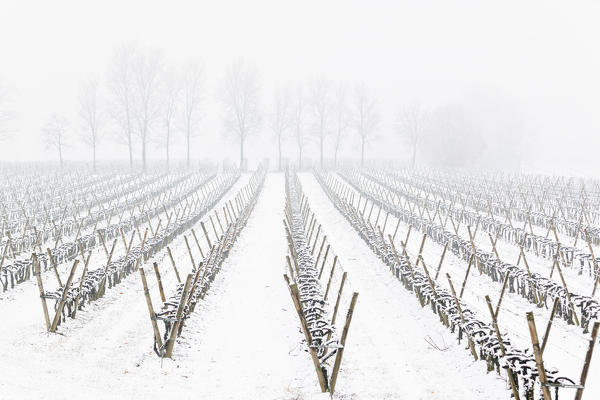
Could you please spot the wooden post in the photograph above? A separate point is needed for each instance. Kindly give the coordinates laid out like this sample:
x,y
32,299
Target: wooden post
x,y
175,327
190,253
547,334
151,310
340,351
205,234
502,294
298,305
38,274
588,359
81,281
160,286
539,360
53,263
173,264
339,296
511,377
437,273
63,298
197,243
562,278
596,269
462,318
474,250
462,289
330,277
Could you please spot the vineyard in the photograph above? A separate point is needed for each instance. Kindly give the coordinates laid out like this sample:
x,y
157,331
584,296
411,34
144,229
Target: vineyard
x,y
371,283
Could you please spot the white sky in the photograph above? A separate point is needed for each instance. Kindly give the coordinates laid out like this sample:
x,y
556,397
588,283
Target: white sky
x,y
543,56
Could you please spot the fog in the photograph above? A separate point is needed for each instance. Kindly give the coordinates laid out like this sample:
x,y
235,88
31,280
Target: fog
x,y
510,85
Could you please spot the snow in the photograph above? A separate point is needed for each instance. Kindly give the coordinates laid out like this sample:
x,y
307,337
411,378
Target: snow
x,y
243,340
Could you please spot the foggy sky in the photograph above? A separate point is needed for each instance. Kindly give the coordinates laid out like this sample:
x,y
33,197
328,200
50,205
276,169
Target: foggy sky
x,y
538,57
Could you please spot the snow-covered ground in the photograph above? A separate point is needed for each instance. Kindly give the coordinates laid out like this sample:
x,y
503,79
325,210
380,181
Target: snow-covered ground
x,y
243,340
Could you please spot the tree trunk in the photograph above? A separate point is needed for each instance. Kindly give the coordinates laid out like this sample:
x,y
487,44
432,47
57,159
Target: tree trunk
x,y
322,139
130,151
362,153
60,155
299,157
242,153
144,154
335,154
94,155
187,138
414,154
168,140
279,148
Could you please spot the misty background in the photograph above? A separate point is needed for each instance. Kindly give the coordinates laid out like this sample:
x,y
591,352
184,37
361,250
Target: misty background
x,y
511,85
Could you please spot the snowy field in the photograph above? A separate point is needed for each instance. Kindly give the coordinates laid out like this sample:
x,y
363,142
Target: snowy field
x,y
240,333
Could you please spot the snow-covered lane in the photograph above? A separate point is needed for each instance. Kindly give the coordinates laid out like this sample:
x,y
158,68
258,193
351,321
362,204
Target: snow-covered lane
x,y
388,353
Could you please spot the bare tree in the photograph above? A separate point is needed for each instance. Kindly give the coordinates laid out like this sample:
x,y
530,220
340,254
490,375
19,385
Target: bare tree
x,y
170,94
55,132
240,90
147,68
121,83
6,113
320,101
366,117
298,116
342,118
282,117
193,95
91,116
411,125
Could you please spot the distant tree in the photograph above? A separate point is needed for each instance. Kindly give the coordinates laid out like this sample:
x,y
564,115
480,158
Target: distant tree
x,y
281,117
240,92
342,118
91,115
170,96
6,113
366,117
147,67
321,103
193,94
412,121
298,122
55,134
121,85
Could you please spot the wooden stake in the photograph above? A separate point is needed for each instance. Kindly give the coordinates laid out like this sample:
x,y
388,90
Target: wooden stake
x,y
462,318
38,274
63,298
547,334
340,351
160,286
539,360
173,264
588,359
176,323
151,311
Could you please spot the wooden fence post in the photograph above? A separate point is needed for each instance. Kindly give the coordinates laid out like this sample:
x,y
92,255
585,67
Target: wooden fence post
x,y
511,377
298,305
173,264
63,298
175,327
340,351
151,310
588,359
38,274
160,286
539,360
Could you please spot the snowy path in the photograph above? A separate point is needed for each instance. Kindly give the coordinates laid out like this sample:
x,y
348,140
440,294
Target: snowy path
x,y
387,355
243,341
